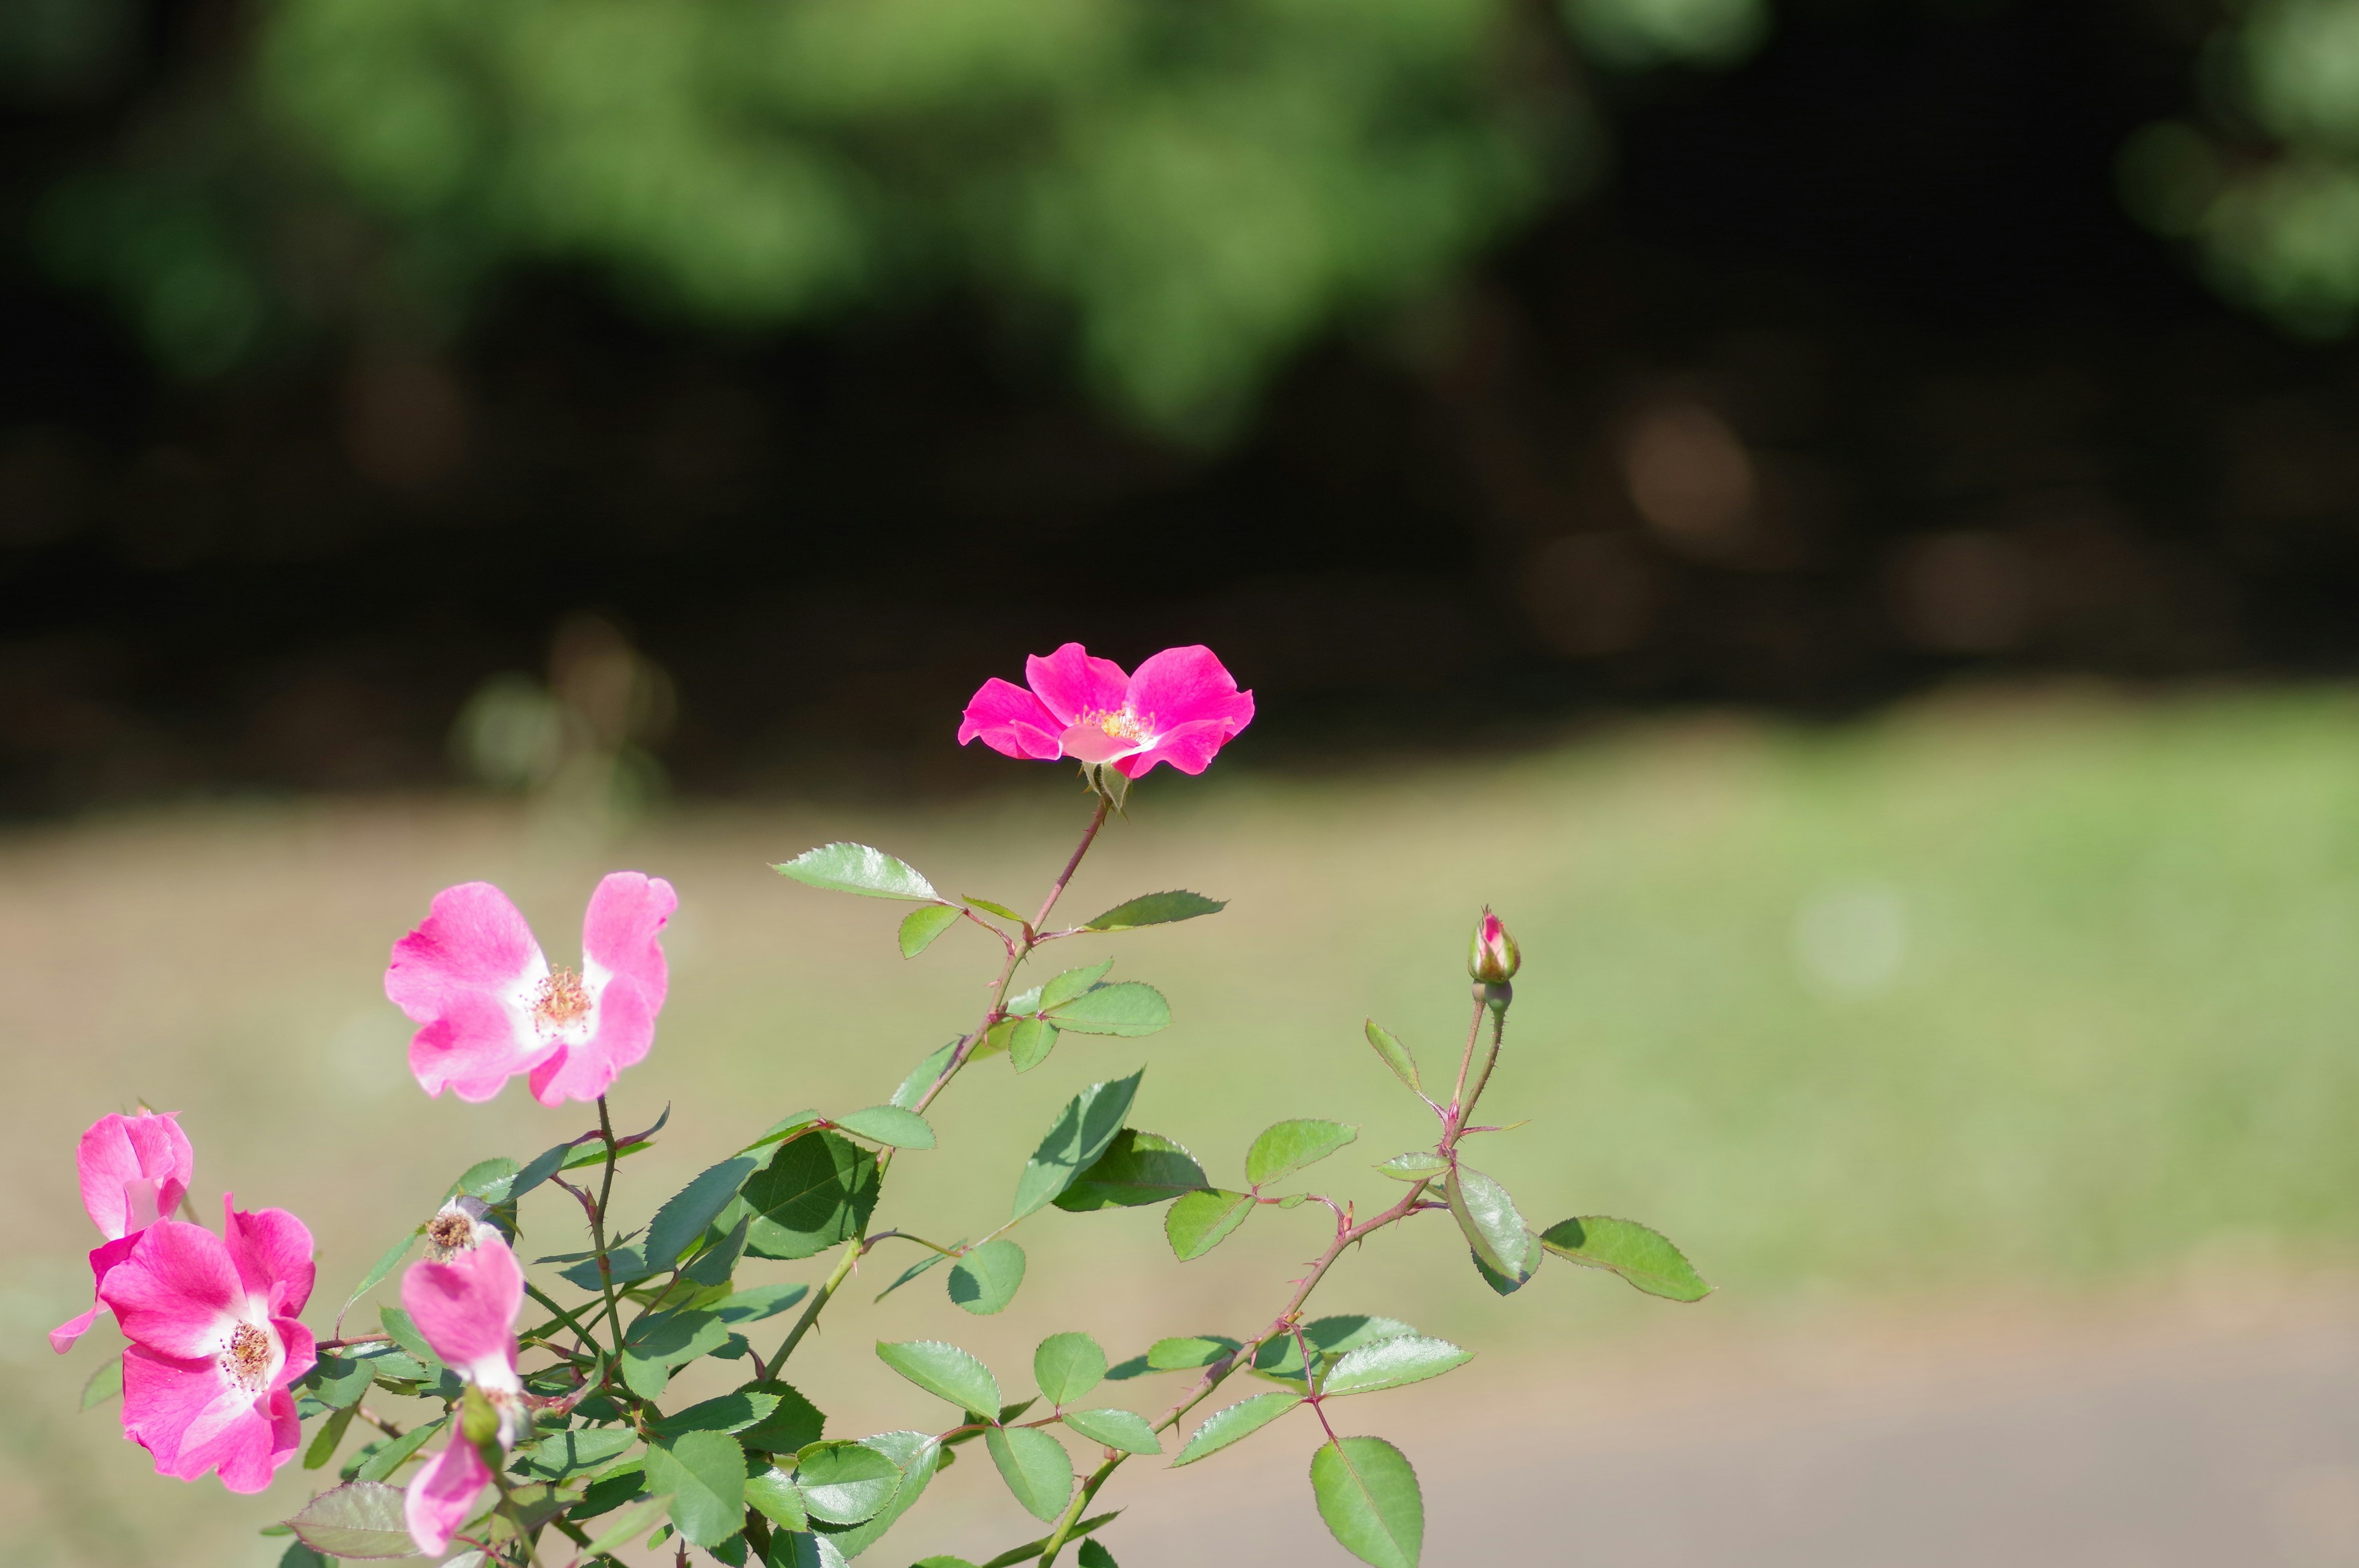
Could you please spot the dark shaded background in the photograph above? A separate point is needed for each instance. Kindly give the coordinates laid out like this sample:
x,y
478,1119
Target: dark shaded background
x,y
1853,376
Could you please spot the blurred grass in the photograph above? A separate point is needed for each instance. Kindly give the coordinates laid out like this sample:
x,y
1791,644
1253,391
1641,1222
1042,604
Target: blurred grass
x,y
2050,990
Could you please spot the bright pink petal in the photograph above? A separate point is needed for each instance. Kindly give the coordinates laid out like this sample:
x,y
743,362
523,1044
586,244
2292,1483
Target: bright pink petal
x,y
467,1308
178,1294
1011,721
103,1259
442,1496
467,974
193,1419
1188,686
1188,748
134,1170
272,1250
1075,684
620,932
301,1351
1092,743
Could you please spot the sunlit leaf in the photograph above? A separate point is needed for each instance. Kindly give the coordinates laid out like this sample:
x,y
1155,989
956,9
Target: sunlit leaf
x,y
1156,909
1198,1222
919,1456
1240,1421
1643,1256
816,1192
1173,1355
945,1371
985,1279
856,868
1391,1364
705,1474
1290,1146
359,1518
1393,1055
1137,1168
889,1125
1368,1495
1487,1215
1067,1366
629,1525
922,1077
1083,1133
684,1215
921,927
1125,1008
105,1382
1126,1430
845,1483
1036,1467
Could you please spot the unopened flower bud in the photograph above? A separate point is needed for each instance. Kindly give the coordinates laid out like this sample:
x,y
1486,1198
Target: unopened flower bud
x,y
478,1421
1491,958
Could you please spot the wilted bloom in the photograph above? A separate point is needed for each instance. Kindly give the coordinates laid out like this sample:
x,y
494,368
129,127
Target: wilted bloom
x,y
458,1227
1491,957
135,1170
214,1342
492,1007
467,1309
1180,707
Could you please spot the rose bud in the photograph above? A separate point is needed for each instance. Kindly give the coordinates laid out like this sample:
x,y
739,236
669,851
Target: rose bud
x,y
1491,957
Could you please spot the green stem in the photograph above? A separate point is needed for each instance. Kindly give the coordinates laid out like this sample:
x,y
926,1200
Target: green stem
x,y
598,1230
1017,953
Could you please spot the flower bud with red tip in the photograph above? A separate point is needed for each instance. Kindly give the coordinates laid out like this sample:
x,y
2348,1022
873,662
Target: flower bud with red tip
x,y
1491,957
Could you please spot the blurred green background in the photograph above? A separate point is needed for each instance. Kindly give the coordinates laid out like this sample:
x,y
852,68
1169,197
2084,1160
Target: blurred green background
x,y
2043,993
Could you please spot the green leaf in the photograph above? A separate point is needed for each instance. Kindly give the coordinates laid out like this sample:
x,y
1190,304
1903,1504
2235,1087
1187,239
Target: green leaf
x,y
994,1039
786,1127
1071,984
1416,1165
769,1489
1329,1338
1240,1420
793,1425
359,1518
389,1458
685,1214
1156,909
1394,1054
1643,1256
563,1454
298,1555
1391,1364
1126,1008
921,1076
816,1192
1137,1168
628,1264
705,1474
1198,1222
938,1560
405,1334
1368,1495
988,907
1067,1366
916,1269
1036,1467
629,1525
1177,1354
919,1456
719,1261
888,1125
659,1342
1289,1146
486,1179
1126,1430
985,1279
1030,1041
380,1269
1093,1554
726,1412
845,1483
757,1302
105,1382
1487,1215
542,1166
1508,1284
323,1441
856,868
921,927
1083,1133
945,1371
340,1380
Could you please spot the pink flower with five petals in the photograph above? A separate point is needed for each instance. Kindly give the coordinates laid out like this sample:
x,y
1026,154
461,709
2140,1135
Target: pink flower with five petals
x,y
491,1007
467,1309
1180,707
215,1344
135,1170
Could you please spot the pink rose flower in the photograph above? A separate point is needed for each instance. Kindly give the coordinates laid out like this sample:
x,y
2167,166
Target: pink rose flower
x,y
215,1344
467,1310
135,1170
1180,707
491,1007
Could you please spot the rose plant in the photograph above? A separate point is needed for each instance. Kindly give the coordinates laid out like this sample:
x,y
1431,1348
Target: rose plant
x,y
559,1439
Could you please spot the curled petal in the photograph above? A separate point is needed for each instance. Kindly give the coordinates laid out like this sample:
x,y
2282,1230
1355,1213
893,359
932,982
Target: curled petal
x,y
178,1294
103,1259
272,1251
1070,683
467,1308
62,1337
1188,686
468,975
134,1170
1190,748
1011,721
442,1495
